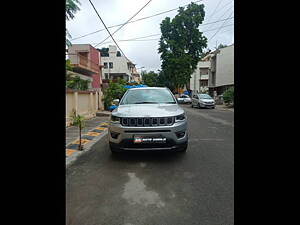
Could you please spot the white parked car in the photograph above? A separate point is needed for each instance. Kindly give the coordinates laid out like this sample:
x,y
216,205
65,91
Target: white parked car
x,y
184,99
203,100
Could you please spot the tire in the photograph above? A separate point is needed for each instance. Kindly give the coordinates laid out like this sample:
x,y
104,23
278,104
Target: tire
x,y
113,150
184,148
192,105
199,106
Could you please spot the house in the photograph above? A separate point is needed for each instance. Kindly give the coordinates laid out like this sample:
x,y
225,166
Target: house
x,y
86,63
221,74
85,60
214,73
199,79
115,66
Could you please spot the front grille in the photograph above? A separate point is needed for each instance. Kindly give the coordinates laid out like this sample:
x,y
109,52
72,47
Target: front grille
x,y
147,122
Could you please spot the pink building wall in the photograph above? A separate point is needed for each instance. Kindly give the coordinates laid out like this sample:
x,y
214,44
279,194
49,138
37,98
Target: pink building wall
x,y
95,57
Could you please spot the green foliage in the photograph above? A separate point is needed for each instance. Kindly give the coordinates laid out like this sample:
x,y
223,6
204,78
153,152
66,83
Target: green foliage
x,y
78,120
68,65
221,46
181,45
76,83
150,78
71,8
114,91
228,96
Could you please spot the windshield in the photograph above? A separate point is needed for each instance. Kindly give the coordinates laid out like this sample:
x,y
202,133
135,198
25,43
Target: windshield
x,y
204,96
148,96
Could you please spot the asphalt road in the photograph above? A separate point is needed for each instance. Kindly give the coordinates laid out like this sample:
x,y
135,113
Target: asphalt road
x,y
196,187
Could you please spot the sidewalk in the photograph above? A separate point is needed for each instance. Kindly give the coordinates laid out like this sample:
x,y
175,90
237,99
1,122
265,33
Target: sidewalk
x,y
93,130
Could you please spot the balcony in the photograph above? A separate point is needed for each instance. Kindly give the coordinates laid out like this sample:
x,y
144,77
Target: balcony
x,y
82,64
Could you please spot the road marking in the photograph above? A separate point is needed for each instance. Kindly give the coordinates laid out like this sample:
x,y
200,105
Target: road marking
x,y
104,124
100,128
83,141
92,133
70,152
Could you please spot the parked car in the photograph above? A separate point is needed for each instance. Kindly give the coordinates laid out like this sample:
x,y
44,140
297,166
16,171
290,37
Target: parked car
x,y
148,119
203,100
184,99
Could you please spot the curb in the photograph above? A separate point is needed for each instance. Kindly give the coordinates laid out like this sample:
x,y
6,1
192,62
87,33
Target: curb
x,y
87,147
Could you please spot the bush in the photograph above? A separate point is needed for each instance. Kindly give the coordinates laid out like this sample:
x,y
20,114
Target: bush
x,y
114,91
228,96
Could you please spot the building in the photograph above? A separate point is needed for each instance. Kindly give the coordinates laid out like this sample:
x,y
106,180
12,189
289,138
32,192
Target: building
x,y
135,75
116,66
199,79
214,73
86,63
221,75
85,60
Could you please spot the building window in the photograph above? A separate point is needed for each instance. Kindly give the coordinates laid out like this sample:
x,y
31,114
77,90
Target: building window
x,y
105,65
111,65
106,76
203,71
203,83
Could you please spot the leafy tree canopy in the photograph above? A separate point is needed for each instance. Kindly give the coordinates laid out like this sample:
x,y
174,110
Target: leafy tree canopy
x,y
71,8
181,45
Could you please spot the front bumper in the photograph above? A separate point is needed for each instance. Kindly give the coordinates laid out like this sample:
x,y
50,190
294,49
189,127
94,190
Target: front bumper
x,y
124,140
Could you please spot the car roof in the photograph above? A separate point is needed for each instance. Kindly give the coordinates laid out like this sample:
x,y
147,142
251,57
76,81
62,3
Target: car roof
x,y
147,88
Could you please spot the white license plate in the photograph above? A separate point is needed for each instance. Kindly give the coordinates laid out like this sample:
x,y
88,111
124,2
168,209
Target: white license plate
x,y
144,139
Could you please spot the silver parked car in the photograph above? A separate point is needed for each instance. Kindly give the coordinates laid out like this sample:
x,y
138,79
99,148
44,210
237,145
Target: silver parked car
x,y
185,99
148,119
203,100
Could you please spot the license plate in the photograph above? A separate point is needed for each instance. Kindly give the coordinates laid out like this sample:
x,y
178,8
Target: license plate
x,y
144,139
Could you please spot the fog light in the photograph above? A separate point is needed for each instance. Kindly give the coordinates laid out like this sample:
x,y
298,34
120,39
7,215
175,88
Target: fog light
x,y
180,134
114,135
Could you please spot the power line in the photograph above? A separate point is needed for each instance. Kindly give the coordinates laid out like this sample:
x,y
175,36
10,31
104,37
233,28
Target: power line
x,y
223,13
107,29
137,38
214,10
147,17
124,23
218,29
200,25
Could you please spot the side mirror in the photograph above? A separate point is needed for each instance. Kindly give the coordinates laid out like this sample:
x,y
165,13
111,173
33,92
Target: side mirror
x,y
116,101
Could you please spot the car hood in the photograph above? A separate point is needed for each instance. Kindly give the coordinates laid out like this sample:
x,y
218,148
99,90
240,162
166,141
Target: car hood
x,y
147,110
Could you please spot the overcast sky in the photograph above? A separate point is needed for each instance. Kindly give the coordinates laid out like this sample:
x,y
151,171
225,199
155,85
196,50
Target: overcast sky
x,y
145,53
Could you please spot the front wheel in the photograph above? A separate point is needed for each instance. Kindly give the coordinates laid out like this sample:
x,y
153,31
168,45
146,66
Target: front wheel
x,y
183,149
199,106
192,105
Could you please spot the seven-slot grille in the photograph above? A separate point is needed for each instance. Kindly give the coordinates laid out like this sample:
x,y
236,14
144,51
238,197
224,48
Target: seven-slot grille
x,y
147,122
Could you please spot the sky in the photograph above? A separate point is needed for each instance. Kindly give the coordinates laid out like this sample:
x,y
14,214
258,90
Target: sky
x,y
145,53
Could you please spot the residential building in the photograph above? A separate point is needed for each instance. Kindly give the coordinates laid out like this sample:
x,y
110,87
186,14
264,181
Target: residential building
x,y
116,66
135,75
214,73
221,75
199,79
85,60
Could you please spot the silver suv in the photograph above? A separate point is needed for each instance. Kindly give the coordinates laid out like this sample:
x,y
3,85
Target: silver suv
x,y
148,119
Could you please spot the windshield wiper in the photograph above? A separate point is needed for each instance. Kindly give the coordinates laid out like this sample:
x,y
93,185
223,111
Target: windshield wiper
x,y
146,103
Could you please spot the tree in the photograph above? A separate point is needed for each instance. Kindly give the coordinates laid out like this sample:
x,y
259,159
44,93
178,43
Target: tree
x,y
181,45
221,46
114,91
71,8
78,121
228,96
150,78
76,83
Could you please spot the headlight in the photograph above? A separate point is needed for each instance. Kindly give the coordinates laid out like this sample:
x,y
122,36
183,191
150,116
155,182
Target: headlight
x,y
180,118
115,119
